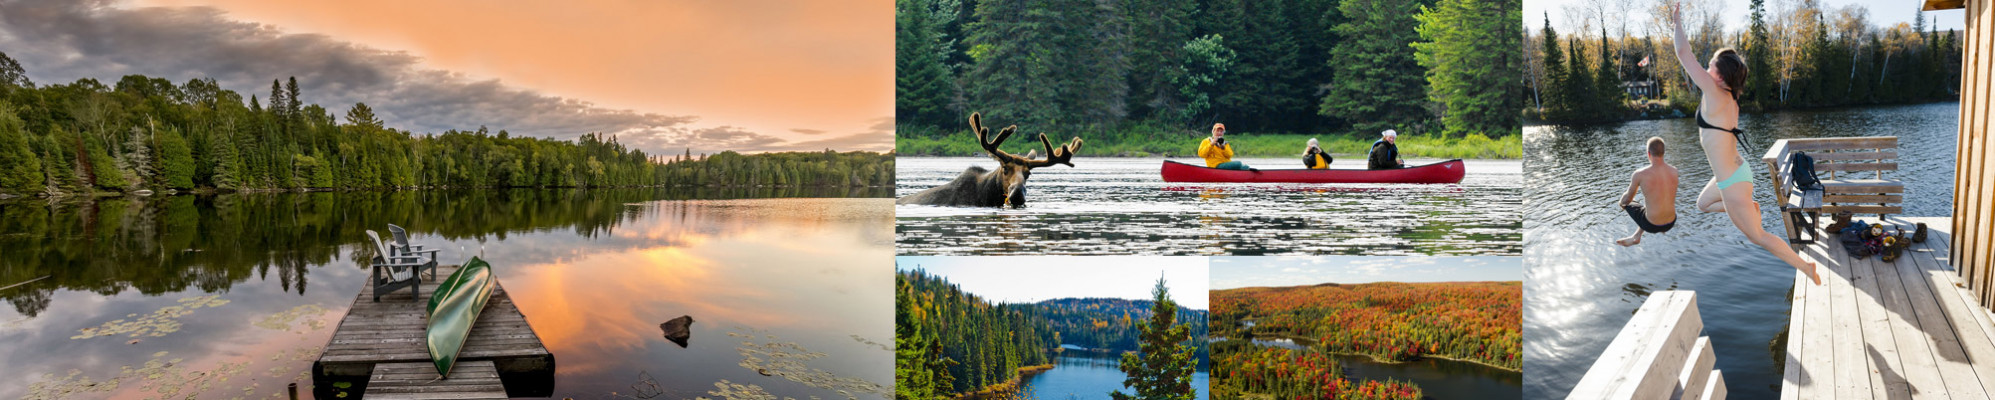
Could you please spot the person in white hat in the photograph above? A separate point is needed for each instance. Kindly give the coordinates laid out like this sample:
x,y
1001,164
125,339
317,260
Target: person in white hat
x,y
1314,157
1385,152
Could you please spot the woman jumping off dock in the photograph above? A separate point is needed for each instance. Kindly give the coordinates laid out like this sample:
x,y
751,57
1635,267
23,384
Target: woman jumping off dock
x,y
1733,194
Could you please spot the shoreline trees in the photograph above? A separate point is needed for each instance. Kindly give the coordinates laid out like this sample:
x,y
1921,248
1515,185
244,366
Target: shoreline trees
x,y
149,133
1807,55
1154,70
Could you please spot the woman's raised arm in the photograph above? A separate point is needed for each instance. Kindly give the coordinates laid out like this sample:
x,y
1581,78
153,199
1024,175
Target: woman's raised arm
x,y
1684,55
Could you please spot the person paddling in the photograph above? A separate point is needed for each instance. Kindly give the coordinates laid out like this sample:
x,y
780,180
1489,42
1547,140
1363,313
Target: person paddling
x,y
1385,152
1314,157
1217,152
1657,184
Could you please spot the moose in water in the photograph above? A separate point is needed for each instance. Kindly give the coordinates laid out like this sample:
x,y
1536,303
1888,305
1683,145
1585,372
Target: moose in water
x,y
978,187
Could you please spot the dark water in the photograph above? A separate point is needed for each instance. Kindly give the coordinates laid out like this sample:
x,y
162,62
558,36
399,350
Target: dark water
x,y
234,295
1114,206
1438,379
1088,376
1580,288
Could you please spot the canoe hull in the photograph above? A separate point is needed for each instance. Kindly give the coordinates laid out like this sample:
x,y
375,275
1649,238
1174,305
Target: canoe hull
x,y
453,308
1450,171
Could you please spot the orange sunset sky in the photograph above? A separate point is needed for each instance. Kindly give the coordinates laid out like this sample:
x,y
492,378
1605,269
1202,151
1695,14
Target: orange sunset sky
x,y
663,75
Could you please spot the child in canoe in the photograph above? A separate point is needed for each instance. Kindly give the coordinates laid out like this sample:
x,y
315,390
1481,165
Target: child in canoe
x,y
1657,185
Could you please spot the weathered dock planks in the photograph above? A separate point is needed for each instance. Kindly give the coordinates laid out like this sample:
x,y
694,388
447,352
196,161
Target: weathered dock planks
x,y
391,332
1888,330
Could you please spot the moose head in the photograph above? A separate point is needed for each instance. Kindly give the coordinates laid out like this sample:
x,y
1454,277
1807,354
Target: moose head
x,y
1013,170
978,187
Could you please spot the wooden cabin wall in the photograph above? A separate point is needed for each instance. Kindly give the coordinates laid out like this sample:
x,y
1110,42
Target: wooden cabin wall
x,y
1974,182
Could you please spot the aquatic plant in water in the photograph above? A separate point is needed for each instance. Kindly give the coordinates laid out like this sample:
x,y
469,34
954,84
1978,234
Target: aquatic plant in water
x,y
870,342
786,360
159,323
284,320
163,377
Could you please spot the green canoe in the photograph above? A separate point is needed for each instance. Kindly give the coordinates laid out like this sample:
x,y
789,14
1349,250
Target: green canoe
x,y
453,308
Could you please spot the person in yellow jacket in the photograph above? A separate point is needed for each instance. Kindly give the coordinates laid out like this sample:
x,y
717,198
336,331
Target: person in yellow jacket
x,y
1314,157
1217,152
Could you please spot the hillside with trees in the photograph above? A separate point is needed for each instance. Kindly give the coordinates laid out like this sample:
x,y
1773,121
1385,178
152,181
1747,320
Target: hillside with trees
x,y
1161,71
1470,321
1112,325
1803,54
949,342
148,133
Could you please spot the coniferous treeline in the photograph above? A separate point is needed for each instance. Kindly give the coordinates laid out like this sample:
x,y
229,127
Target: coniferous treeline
x,y
1113,324
149,133
1284,374
1473,321
1149,68
948,342
1806,56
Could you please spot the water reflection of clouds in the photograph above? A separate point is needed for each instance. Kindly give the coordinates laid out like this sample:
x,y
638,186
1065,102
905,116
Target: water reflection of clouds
x,y
1236,272
810,280
596,297
207,338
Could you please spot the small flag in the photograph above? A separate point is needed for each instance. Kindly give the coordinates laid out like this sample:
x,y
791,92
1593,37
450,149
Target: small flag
x,y
1644,63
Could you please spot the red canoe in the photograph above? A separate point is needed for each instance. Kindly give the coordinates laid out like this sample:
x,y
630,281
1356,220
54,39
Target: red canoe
x,y
1450,171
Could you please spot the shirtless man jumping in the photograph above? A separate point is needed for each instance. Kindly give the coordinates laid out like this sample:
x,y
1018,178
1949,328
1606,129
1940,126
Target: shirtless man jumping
x,y
1657,184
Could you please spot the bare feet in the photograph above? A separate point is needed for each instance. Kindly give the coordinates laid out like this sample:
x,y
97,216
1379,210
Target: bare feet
x,y
1630,241
1811,273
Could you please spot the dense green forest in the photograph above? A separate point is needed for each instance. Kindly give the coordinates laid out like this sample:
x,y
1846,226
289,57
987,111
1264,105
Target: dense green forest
x,y
1808,55
147,133
1161,71
948,342
1472,321
1247,371
1112,324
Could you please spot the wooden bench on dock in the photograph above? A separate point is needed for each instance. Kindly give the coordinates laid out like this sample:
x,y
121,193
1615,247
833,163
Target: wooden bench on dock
x,y
1658,355
1855,181
375,335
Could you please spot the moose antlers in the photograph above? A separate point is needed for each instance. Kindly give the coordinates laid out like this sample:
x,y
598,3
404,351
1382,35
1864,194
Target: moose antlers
x,y
1062,155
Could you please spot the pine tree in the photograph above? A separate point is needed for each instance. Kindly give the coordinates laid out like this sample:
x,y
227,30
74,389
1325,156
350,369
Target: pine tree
x,y
924,89
1162,369
361,115
1376,84
1607,84
176,160
1556,106
1158,31
1760,76
20,169
1463,74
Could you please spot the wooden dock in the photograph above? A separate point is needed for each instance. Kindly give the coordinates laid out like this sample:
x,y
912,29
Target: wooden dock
x,y
417,380
1661,354
1888,330
391,332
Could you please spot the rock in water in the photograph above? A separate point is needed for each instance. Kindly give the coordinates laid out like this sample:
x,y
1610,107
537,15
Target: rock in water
x,y
678,330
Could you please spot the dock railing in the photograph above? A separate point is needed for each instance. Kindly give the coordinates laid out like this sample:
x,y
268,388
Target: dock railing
x,y
1660,354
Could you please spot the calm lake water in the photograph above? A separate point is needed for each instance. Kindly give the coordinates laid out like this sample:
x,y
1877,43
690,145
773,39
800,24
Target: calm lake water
x,y
234,295
1580,288
1088,376
1438,379
1113,206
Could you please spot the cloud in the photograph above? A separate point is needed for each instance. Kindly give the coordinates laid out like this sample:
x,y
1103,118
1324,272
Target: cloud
x,y
808,131
62,41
